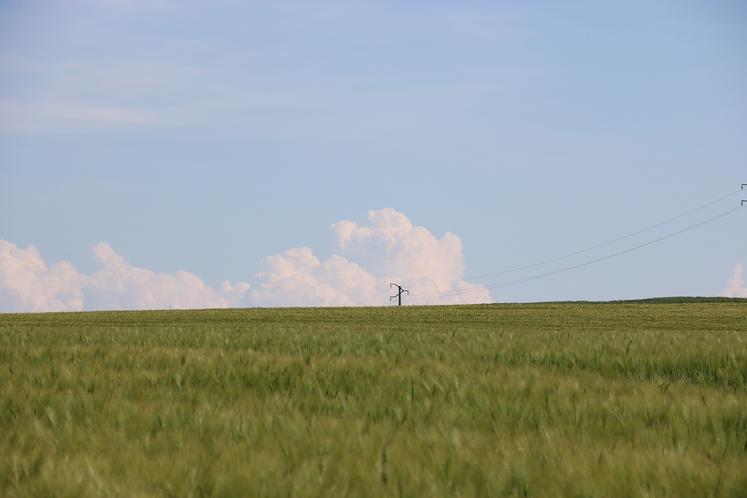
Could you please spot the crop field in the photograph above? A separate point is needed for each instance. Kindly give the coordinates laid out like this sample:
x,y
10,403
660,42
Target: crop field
x,y
637,399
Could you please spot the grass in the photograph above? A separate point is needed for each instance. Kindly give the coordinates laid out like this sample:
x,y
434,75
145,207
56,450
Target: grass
x,y
615,400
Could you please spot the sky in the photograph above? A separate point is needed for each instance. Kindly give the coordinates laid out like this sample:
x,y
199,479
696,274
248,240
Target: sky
x,y
164,154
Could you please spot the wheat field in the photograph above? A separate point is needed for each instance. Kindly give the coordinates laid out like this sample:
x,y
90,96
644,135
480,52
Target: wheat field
x,y
628,399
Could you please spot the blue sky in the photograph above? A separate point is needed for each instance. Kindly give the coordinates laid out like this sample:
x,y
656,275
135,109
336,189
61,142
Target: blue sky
x,y
208,137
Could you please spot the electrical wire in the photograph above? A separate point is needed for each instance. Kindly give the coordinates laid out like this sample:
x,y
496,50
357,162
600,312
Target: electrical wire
x,y
579,265
590,248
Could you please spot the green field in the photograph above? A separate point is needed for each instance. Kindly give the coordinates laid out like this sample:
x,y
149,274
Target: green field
x,y
578,399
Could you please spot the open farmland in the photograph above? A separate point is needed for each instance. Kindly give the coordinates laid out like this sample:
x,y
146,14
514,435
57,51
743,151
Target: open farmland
x,y
576,399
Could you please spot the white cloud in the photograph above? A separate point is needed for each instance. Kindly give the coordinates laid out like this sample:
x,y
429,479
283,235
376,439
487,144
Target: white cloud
x,y
298,278
120,285
28,284
736,286
387,248
392,246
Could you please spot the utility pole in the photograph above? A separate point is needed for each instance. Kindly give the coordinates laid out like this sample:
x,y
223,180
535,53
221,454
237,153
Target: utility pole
x,y
398,295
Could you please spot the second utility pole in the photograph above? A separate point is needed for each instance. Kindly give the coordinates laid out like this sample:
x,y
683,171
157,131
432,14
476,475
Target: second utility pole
x,y
398,295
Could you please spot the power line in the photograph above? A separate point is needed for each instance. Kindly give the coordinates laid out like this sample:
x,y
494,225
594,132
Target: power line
x,y
595,246
585,263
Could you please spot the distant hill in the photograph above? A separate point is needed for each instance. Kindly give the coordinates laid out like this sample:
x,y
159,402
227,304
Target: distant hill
x,y
662,300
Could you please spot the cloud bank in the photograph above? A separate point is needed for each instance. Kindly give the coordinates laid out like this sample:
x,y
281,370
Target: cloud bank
x,y
27,283
386,248
736,286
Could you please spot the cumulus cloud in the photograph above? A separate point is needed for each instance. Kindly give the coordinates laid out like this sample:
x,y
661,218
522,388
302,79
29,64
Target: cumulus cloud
x,y
120,285
736,286
298,278
27,283
386,248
